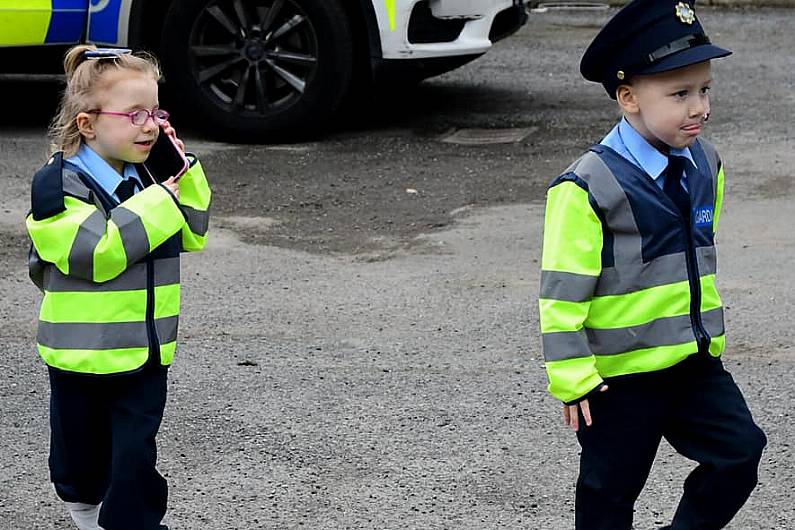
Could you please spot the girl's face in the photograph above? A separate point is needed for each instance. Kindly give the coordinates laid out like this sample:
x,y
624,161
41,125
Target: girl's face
x,y
114,137
669,108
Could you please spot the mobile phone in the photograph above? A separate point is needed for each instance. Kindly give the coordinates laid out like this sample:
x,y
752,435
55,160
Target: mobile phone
x,y
165,159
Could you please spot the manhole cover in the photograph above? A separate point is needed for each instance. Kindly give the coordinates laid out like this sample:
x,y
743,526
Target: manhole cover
x,y
487,136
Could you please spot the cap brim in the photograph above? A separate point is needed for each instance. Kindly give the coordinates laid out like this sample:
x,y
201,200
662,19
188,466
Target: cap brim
x,y
697,54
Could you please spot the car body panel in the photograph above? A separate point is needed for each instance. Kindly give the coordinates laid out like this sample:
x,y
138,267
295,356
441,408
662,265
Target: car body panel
x,y
393,21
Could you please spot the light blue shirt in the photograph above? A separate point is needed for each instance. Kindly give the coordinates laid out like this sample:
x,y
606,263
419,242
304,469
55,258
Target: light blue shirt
x,y
628,143
103,174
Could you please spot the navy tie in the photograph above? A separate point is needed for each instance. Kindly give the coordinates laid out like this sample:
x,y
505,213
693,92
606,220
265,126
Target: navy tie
x,y
126,189
673,184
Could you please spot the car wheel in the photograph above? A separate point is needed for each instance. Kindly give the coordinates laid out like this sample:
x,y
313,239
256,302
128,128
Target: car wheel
x,y
257,70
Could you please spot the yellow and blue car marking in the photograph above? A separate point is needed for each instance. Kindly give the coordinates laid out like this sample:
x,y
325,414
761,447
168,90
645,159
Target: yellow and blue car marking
x,y
37,22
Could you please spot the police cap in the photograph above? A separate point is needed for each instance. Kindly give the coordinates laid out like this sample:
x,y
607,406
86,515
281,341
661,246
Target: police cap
x,y
646,37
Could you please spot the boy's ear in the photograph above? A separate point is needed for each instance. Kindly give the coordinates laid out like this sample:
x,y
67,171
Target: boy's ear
x,y
85,124
627,99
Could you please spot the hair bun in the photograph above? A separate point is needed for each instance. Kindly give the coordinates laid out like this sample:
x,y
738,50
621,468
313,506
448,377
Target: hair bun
x,y
75,57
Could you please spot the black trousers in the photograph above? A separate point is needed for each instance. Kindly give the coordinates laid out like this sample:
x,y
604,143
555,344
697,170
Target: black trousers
x,y
698,408
102,447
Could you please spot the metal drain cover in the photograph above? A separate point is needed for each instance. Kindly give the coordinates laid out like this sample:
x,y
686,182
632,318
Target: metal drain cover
x,y
487,136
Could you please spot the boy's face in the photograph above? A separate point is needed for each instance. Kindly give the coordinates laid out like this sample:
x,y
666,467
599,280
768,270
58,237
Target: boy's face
x,y
669,108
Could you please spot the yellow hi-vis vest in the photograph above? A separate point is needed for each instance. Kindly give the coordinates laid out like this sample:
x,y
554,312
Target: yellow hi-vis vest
x,y
110,272
627,283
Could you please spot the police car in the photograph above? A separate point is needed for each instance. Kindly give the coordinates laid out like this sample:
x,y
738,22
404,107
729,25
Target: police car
x,y
258,68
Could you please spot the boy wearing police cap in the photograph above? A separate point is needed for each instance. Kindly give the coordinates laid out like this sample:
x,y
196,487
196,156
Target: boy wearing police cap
x,y
632,324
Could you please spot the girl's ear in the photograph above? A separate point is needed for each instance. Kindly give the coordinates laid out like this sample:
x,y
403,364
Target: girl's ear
x,y
627,99
85,124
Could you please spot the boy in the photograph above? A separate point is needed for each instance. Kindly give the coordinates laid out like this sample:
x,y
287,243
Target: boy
x,y
632,324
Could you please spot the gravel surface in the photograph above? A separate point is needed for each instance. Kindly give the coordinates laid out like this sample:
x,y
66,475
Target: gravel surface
x,y
356,355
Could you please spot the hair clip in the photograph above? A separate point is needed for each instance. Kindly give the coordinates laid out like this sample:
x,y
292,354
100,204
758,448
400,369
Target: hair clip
x,y
106,53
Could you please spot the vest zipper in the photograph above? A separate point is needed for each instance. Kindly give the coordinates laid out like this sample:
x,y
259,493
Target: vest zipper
x,y
151,330
694,280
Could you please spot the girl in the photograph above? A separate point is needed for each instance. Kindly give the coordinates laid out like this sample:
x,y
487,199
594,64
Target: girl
x,y
105,252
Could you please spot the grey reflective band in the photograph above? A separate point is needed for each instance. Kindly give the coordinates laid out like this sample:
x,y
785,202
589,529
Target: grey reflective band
x,y
133,233
713,322
668,331
665,270
81,255
613,201
567,286
103,336
711,155
198,220
166,271
661,332
74,186
93,336
167,329
685,43
133,278
563,345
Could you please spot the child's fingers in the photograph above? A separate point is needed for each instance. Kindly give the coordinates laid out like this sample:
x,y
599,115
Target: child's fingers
x,y
566,415
574,417
586,412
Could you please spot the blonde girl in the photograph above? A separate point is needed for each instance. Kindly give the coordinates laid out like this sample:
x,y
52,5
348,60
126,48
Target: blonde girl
x,y
106,240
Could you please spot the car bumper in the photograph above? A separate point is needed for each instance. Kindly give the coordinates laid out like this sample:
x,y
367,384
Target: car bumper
x,y
463,27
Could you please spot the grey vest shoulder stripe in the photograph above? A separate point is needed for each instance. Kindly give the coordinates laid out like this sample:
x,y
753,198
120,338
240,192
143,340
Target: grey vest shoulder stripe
x,y
567,286
74,186
133,233
614,203
712,156
81,255
198,220
563,345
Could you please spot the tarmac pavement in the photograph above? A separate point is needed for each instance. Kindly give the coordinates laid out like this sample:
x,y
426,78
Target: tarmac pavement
x,y
359,341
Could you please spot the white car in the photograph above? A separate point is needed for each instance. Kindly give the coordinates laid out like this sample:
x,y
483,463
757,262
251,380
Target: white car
x,y
255,69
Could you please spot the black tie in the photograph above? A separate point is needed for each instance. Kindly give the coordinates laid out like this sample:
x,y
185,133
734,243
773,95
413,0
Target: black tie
x,y
126,189
673,184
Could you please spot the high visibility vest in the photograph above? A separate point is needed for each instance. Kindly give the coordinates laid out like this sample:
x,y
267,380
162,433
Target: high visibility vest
x,y
110,272
627,283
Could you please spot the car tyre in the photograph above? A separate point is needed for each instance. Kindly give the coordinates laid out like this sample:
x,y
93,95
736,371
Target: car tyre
x,y
257,70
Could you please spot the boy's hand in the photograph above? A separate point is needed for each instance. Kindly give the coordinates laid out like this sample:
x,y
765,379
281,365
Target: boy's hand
x,y
173,185
571,415
170,131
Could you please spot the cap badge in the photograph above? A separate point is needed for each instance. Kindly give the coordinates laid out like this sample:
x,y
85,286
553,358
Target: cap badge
x,y
620,75
685,13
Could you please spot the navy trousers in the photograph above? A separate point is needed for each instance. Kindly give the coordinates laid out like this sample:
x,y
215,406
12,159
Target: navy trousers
x,y
102,447
697,407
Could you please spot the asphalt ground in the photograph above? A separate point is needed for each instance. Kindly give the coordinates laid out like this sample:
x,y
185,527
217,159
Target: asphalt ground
x,y
356,355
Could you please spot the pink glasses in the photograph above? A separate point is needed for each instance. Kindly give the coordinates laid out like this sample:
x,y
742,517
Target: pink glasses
x,y
139,117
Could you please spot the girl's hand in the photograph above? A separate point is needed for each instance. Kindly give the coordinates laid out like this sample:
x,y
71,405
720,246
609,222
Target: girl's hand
x,y
173,186
170,131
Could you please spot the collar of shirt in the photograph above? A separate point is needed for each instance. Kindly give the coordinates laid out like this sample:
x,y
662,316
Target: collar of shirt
x,y
103,174
628,143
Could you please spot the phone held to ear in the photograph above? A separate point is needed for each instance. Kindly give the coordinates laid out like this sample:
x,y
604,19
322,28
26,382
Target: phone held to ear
x,y
165,159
